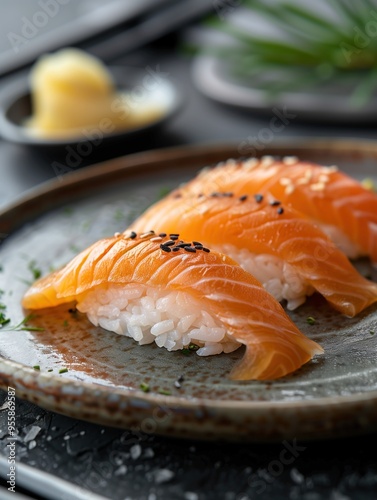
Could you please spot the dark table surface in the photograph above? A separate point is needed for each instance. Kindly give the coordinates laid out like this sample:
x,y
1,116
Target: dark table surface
x,y
120,464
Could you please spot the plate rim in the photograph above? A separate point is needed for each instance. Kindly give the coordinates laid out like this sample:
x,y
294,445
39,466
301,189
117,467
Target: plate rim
x,y
206,80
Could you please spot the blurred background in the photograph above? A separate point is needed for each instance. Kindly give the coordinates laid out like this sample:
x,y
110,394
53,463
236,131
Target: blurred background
x,y
248,71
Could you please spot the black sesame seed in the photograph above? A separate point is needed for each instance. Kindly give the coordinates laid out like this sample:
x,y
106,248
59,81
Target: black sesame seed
x,y
199,247
275,203
205,249
174,237
190,249
164,248
280,210
169,243
243,198
175,249
162,235
173,234
258,198
132,235
197,243
181,379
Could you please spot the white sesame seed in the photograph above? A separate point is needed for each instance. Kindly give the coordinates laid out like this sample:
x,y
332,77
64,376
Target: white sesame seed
x,y
157,238
318,186
308,174
289,189
332,168
302,181
323,178
290,160
145,235
267,161
250,164
285,181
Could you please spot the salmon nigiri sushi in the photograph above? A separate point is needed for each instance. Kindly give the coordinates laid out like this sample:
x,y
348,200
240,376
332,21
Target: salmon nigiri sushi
x,y
346,210
151,288
286,252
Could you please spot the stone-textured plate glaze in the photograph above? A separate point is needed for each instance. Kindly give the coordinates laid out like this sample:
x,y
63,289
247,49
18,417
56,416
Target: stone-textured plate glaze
x,y
336,394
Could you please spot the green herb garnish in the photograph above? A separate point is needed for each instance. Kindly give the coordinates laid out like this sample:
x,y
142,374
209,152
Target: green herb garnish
x,y
317,46
86,226
371,332
190,348
68,211
164,392
144,387
37,273
63,370
310,320
22,326
50,370
36,367
3,320
164,191
119,215
74,248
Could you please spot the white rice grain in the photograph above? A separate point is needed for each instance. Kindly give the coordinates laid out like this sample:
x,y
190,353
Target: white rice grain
x,y
162,327
172,319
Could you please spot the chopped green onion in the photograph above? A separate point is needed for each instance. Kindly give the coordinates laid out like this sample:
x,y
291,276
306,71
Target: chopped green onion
x,y
144,387
37,273
3,320
63,370
164,392
310,320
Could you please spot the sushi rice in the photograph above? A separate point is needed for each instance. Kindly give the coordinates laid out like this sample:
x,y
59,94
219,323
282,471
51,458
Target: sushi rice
x,y
171,319
279,278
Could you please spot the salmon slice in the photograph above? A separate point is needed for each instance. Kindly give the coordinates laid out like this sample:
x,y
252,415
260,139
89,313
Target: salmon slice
x,y
345,209
245,227
251,316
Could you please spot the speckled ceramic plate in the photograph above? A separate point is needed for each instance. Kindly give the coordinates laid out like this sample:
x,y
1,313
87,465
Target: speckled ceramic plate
x,y
333,395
